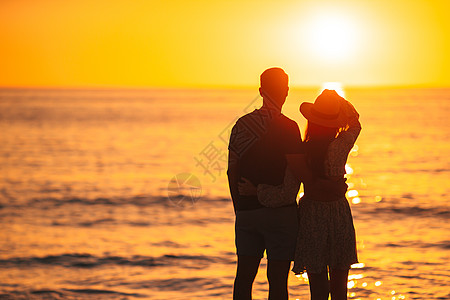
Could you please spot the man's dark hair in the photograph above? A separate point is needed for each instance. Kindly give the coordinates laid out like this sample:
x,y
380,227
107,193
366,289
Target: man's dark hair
x,y
274,85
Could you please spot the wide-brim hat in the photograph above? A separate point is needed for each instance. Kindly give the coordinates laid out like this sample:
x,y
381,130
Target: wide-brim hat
x,y
326,111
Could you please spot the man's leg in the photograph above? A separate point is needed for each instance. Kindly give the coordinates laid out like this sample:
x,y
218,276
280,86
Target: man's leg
x,y
318,285
338,284
247,268
277,275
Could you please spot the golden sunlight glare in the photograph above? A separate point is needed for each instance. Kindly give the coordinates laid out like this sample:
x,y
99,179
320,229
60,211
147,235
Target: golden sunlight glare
x,y
337,86
332,37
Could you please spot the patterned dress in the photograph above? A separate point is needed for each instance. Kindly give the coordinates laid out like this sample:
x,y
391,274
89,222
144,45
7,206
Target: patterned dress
x,y
326,234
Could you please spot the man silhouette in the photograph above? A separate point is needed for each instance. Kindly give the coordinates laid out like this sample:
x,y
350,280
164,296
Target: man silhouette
x,y
259,143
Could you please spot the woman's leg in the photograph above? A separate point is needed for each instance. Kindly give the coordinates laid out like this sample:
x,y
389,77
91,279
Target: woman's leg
x,y
338,284
318,285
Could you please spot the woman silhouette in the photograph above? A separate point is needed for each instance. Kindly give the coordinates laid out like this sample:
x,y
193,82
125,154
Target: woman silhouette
x,y
326,244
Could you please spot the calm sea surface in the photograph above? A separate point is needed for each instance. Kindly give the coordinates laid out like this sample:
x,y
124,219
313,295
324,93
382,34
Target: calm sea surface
x,y
122,194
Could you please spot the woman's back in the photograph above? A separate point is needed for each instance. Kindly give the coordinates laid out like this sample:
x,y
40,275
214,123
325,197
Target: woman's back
x,y
327,157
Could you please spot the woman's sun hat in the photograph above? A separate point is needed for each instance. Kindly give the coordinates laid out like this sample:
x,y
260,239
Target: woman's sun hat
x,y
326,110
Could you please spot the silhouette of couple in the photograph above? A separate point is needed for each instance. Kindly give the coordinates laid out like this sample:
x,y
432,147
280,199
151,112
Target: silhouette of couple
x,y
267,163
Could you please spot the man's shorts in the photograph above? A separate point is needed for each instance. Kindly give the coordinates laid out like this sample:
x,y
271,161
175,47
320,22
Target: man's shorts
x,y
270,229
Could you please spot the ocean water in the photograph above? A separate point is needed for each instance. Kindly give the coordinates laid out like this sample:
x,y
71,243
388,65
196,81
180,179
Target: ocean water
x,y
122,194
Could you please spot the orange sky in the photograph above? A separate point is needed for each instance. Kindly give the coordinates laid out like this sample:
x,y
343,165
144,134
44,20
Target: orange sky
x,y
223,43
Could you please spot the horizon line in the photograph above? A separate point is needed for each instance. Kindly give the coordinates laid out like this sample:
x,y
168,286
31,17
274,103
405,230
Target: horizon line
x,y
206,87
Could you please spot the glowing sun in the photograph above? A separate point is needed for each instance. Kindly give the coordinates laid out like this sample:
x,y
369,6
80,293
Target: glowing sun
x,y
332,37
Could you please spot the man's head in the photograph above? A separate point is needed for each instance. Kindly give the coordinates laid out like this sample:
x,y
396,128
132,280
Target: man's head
x,y
274,87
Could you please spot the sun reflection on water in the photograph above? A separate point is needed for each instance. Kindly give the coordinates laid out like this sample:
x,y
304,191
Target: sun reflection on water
x,y
358,266
348,169
351,284
356,200
352,193
337,86
356,284
354,151
355,276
